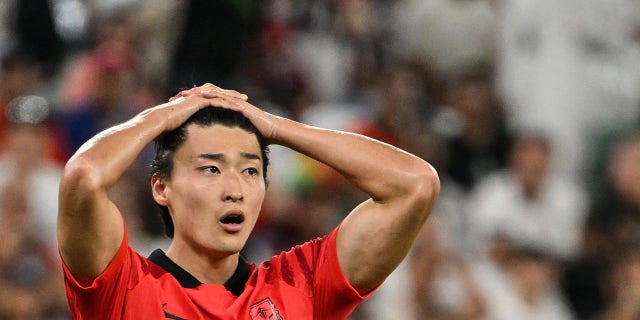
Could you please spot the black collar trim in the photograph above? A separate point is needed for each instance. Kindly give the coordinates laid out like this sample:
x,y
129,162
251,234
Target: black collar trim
x,y
235,284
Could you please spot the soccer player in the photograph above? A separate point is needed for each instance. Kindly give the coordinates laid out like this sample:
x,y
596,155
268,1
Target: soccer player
x,y
209,174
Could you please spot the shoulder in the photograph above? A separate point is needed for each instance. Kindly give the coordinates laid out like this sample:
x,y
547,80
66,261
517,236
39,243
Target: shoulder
x,y
311,250
305,253
301,262
126,267
309,272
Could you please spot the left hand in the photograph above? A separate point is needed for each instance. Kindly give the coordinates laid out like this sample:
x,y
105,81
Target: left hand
x,y
209,87
265,122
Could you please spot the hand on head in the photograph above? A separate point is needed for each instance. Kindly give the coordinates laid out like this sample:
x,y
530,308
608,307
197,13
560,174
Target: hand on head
x,y
211,89
234,100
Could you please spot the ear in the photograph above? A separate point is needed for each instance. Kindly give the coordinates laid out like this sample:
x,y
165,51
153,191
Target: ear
x,y
158,190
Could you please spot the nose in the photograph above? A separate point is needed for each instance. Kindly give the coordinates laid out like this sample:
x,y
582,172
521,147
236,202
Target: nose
x,y
232,189
233,197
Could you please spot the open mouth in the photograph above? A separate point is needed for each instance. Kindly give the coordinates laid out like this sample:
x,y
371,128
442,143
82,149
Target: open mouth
x,y
232,219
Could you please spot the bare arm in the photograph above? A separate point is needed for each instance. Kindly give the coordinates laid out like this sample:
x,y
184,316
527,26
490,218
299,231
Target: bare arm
x,y
90,227
378,233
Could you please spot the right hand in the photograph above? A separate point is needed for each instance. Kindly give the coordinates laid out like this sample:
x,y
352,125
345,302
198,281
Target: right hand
x,y
265,122
209,87
179,108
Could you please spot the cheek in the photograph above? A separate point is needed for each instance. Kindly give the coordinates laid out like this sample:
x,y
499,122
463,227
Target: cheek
x,y
253,202
188,202
259,196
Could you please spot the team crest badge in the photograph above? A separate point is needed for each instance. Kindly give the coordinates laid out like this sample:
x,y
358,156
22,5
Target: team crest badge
x,y
264,309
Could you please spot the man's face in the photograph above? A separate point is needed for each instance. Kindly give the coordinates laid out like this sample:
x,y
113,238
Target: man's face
x,y
216,189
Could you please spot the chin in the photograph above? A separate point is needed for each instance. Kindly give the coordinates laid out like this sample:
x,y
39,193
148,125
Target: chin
x,y
230,246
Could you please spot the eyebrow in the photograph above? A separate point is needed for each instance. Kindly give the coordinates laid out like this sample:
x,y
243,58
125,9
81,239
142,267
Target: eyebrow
x,y
222,157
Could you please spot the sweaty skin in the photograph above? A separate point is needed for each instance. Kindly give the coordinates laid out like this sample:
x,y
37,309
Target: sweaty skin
x,y
402,187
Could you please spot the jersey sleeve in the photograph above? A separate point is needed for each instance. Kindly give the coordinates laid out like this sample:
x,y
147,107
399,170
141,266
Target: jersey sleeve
x,y
334,296
104,297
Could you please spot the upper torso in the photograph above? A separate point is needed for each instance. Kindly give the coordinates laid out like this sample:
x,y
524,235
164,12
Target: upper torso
x,y
303,283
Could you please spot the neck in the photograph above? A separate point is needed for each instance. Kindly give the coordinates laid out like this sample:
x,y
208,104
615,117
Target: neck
x,y
207,268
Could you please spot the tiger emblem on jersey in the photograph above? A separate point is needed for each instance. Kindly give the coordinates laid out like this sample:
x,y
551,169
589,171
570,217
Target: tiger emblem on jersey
x,y
264,309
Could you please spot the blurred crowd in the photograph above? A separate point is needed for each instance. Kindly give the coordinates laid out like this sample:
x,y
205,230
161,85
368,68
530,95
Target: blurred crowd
x,y
528,109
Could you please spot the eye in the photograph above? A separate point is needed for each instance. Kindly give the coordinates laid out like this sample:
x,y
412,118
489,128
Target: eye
x,y
211,169
251,171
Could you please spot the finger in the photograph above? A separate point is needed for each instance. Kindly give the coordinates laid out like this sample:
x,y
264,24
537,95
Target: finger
x,y
231,94
208,87
236,94
223,102
183,93
194,90
219,91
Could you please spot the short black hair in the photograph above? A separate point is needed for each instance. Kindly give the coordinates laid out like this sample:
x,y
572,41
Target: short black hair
x,y
167,144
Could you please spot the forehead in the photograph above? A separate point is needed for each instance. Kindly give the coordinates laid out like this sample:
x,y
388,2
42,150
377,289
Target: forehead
x,y
218,139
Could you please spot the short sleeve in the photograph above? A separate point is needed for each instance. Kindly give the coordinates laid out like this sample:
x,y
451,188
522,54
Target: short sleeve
x,y
104,297
335,298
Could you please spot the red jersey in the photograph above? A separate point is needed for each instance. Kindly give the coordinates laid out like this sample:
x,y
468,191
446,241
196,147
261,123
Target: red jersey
x,y
303,283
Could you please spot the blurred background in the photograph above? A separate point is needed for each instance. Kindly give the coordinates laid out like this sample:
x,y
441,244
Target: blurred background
x,y
528,109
